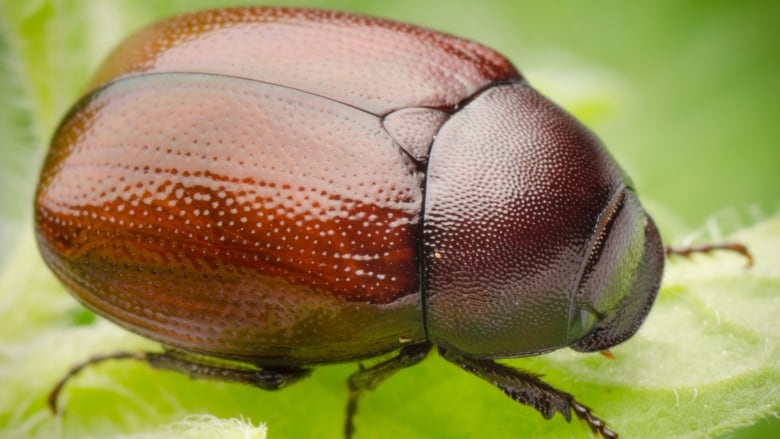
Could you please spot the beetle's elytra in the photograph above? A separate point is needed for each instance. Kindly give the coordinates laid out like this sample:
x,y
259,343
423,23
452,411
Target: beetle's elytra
x,y
286,187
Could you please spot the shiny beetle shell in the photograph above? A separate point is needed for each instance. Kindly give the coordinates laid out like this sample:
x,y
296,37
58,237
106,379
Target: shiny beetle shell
x,y
291,187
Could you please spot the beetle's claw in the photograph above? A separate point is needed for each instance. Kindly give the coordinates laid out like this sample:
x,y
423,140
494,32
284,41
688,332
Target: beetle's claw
x,y
596,424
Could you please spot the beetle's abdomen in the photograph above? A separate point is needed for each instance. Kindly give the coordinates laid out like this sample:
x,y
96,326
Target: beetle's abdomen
x,y
234,217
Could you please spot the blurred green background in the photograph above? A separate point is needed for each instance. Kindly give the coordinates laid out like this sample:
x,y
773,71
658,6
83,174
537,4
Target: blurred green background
x,y
684,93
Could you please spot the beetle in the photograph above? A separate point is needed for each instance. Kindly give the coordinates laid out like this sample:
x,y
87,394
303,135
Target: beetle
x,y
262,190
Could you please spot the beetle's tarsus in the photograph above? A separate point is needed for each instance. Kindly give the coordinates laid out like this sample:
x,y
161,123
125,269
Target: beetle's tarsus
x,y
688,250
367,378
597,425
527,388
96,359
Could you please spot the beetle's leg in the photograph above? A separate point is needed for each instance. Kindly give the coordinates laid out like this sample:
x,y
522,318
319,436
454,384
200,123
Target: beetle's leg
x,y
368,379
55,391
196,366
528,389
688,250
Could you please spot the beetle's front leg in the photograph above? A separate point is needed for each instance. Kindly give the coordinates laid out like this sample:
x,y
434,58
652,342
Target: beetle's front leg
x,y
368,379
688,250
528,389
196,366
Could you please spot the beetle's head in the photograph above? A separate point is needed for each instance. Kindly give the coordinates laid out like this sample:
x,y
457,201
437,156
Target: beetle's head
x,y
621,276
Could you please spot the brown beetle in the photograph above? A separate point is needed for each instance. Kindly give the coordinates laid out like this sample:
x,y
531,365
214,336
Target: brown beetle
x,y
266,189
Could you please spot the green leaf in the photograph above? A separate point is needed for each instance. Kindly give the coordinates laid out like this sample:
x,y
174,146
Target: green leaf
x,y
706,362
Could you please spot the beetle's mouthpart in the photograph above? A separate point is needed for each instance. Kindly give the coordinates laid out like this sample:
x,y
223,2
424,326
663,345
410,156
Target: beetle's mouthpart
x,y
621,278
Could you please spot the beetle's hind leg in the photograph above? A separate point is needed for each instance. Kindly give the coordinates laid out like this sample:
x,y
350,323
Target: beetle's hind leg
x,y
528,389
196,366
369,378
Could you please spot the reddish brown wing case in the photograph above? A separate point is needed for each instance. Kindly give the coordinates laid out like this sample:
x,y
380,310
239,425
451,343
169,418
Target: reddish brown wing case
x,y
228,185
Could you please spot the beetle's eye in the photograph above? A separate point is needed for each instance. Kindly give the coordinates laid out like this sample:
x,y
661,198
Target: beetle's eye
x,y
621,278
